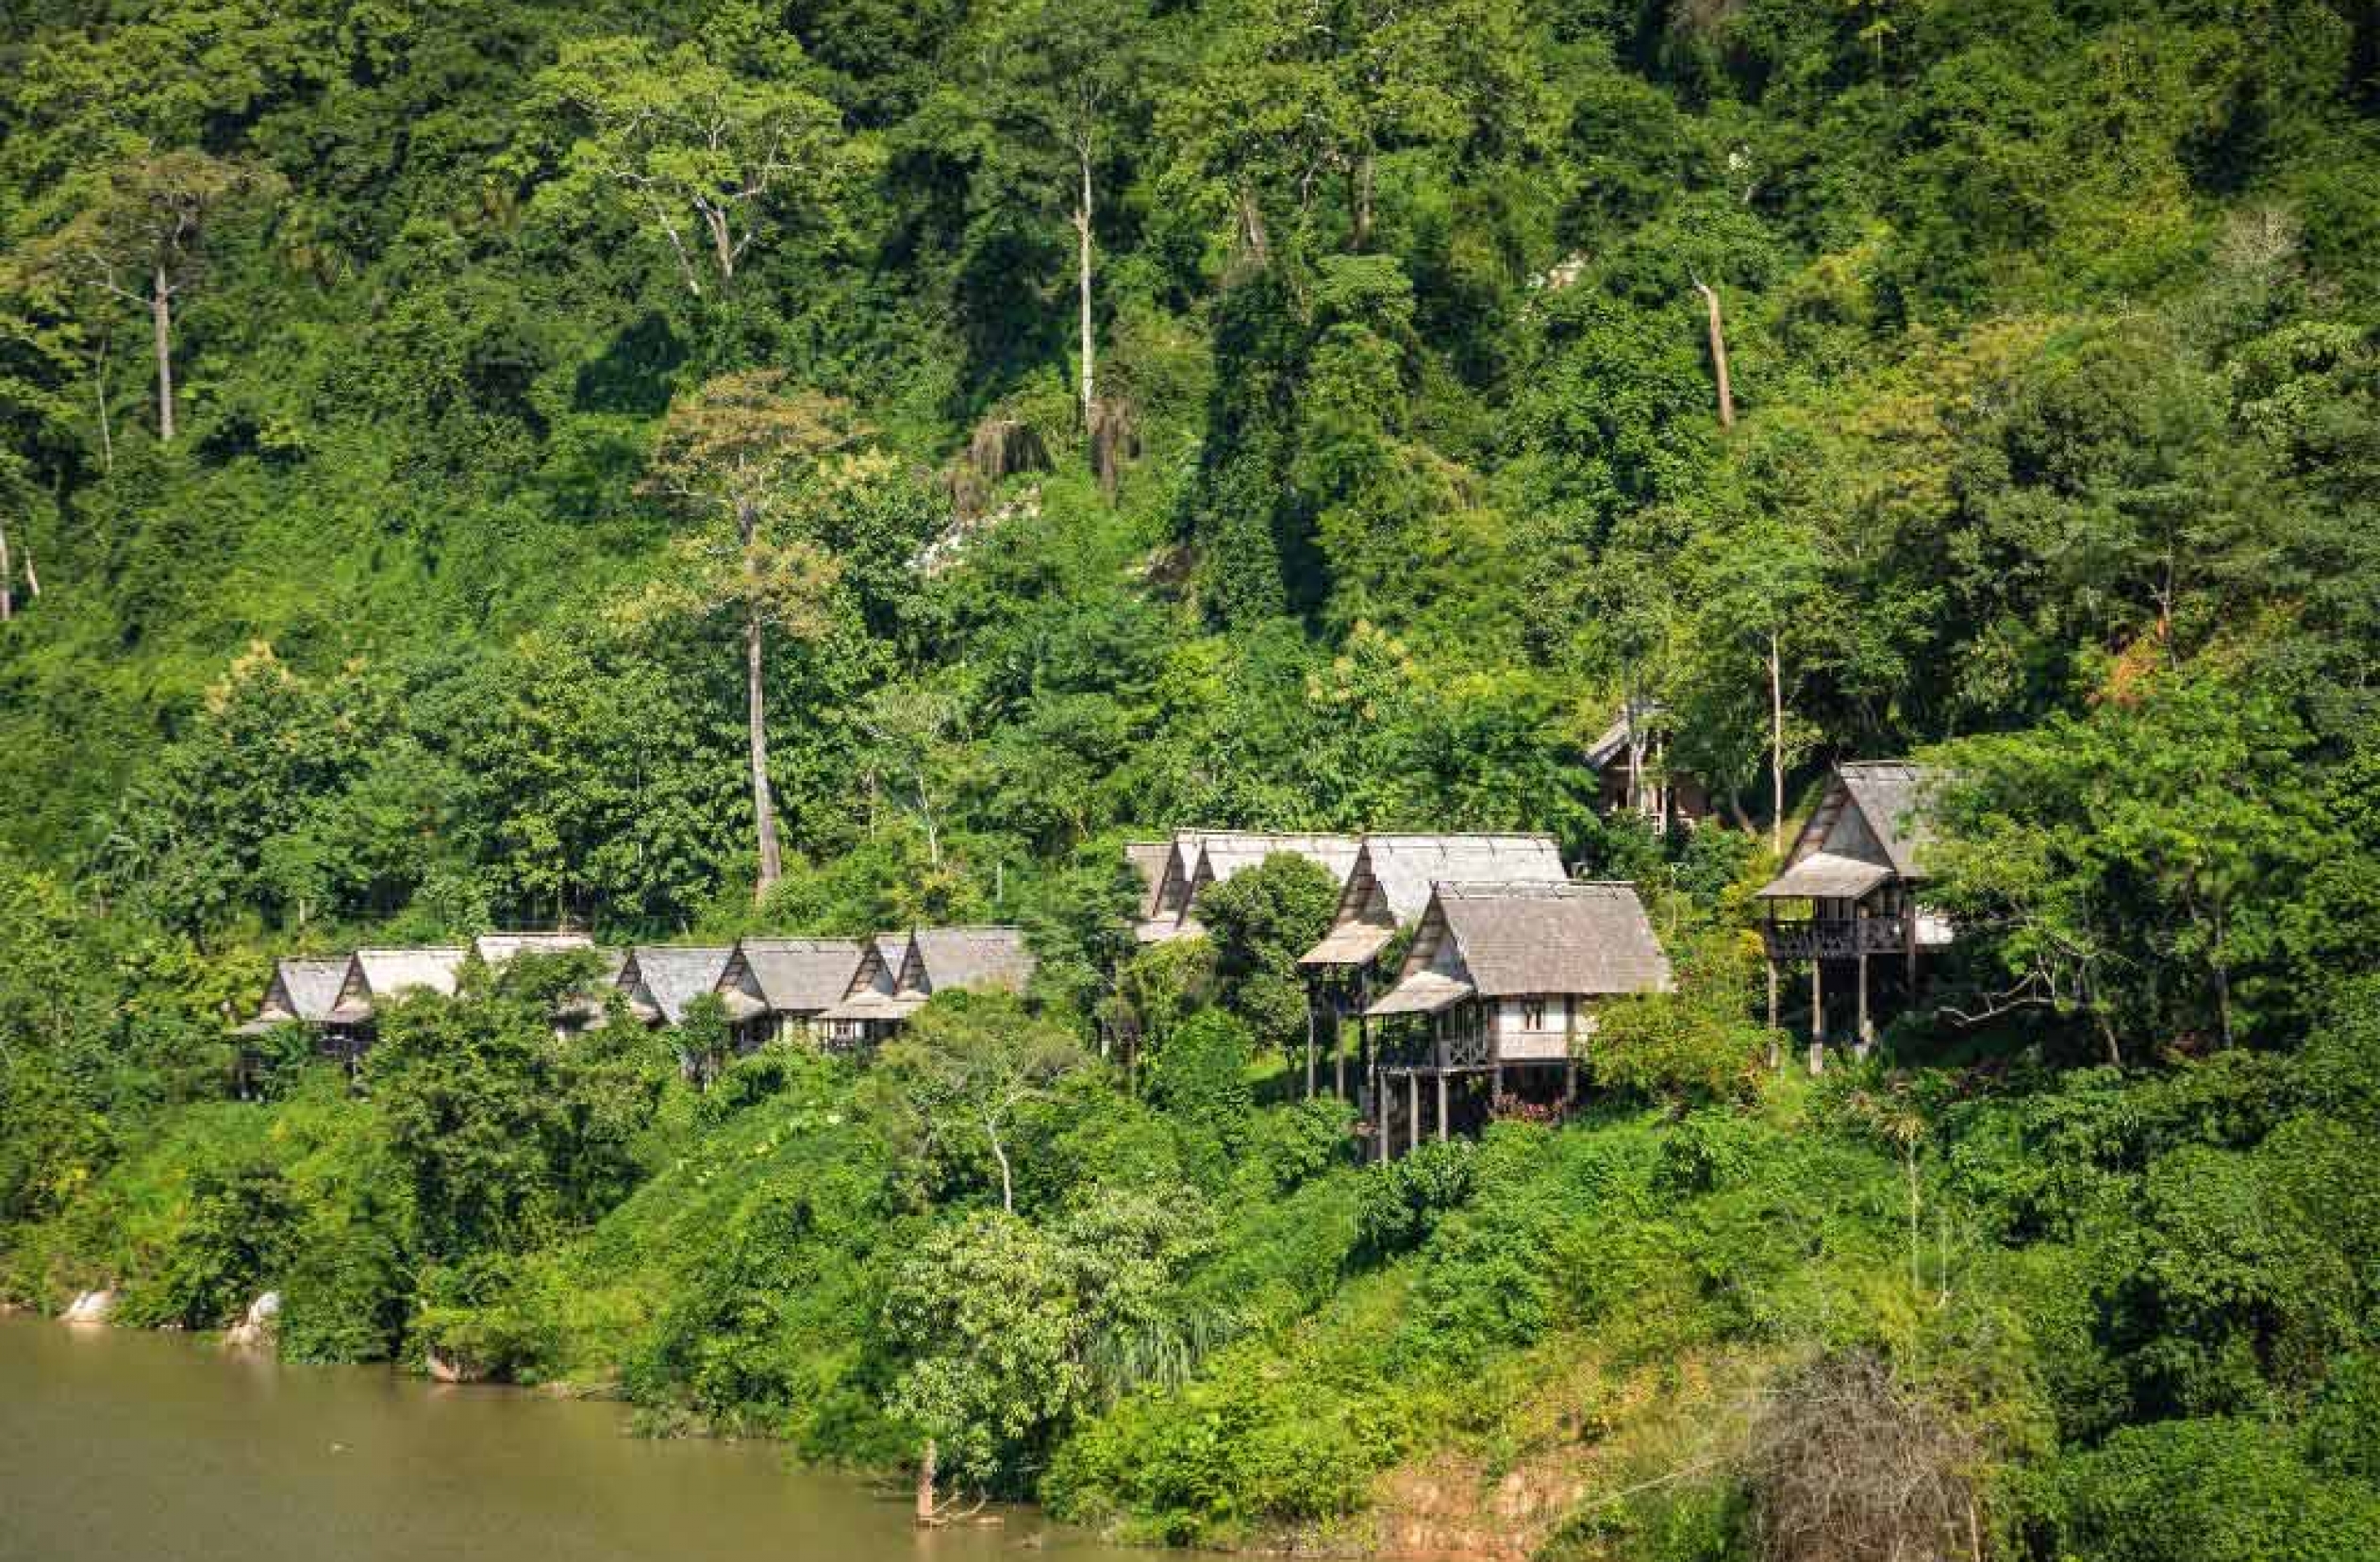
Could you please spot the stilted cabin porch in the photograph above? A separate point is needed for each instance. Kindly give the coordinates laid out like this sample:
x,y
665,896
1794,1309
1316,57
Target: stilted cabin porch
x,y
1853,880
1496,1002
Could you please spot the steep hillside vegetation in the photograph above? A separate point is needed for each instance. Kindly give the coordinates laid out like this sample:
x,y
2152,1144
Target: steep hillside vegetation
x,y
433,430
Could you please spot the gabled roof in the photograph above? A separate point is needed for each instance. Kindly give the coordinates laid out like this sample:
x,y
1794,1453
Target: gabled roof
x,y
497,948
1148,859
1389,884
792,975
1227,852
375,977
1520,939
662,979
1868,826
305,988
1890,796
871,995
993,958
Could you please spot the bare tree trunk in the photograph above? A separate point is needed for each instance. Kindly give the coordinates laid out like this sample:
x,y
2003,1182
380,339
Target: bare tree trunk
x,y
1008,1185
1776,746
8,581
720,243
763,805
1361,182
161,328
926,1460
1718,354
99,396
1082,274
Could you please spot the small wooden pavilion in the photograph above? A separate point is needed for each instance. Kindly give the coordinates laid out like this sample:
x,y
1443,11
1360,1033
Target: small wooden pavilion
x,y
304,990
1632,775
1500,989
1855,870
1387,889
775,988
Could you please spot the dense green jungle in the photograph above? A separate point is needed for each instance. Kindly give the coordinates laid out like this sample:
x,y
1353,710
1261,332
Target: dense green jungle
x,y
434,428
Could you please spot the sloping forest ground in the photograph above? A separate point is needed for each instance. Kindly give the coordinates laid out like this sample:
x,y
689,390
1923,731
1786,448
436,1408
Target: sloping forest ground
x,y
402,613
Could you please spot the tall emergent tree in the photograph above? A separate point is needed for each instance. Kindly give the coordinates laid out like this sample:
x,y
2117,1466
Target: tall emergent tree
x,y
706,153
740,456
1061,76
139,237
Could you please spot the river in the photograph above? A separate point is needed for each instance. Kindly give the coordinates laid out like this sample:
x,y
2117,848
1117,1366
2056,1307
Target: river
x,y
118,1444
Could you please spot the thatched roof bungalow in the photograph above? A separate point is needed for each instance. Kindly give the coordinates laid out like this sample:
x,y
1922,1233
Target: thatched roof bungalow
x,y
772,986
1388,886
662,979
1502,983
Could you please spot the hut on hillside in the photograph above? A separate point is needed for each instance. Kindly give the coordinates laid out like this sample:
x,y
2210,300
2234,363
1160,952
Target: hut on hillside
x,y
662,979
901,972
869,1010
1223,855
1500,989
1148,860
775,988
1632,775
1197,858
1855,872
1387,889
304,990
375,977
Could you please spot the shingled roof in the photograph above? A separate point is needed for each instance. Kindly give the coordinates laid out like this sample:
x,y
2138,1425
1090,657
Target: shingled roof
x,y
1389,884
1519,939
497,948
789,975
1869,825
871,995
374,976
662,979
304,988
985,959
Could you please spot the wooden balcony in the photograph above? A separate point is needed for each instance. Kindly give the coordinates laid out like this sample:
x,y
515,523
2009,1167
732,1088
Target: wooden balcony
x,y
1835,939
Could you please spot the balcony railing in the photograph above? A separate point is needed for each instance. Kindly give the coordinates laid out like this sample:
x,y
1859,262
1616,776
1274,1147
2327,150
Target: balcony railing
x,y
1838,940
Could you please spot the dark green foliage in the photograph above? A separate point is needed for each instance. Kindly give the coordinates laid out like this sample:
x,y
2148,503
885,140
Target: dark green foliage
x,y
2052,339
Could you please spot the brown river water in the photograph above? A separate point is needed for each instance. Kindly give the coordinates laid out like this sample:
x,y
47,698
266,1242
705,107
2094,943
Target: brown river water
x,y
120,1445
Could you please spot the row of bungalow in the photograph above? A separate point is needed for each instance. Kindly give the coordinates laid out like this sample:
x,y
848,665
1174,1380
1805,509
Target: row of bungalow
x,y
1495,994
1486,1004
840,994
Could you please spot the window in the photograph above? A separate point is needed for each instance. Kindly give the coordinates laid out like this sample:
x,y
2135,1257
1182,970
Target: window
x,y
1533,1014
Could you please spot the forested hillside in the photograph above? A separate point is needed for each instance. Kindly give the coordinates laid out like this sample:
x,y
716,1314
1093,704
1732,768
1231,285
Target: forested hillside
x,y
817,467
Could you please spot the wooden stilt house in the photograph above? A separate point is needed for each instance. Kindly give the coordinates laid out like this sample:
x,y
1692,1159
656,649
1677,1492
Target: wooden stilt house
x,y
1496,998
869,1009
375,977
1633,773
776,989
1387,890
1855,875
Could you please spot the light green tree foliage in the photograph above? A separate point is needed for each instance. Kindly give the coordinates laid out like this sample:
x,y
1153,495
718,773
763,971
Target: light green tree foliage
x,y
710,147
1013,1330
965,1076
2119,867
1261,920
